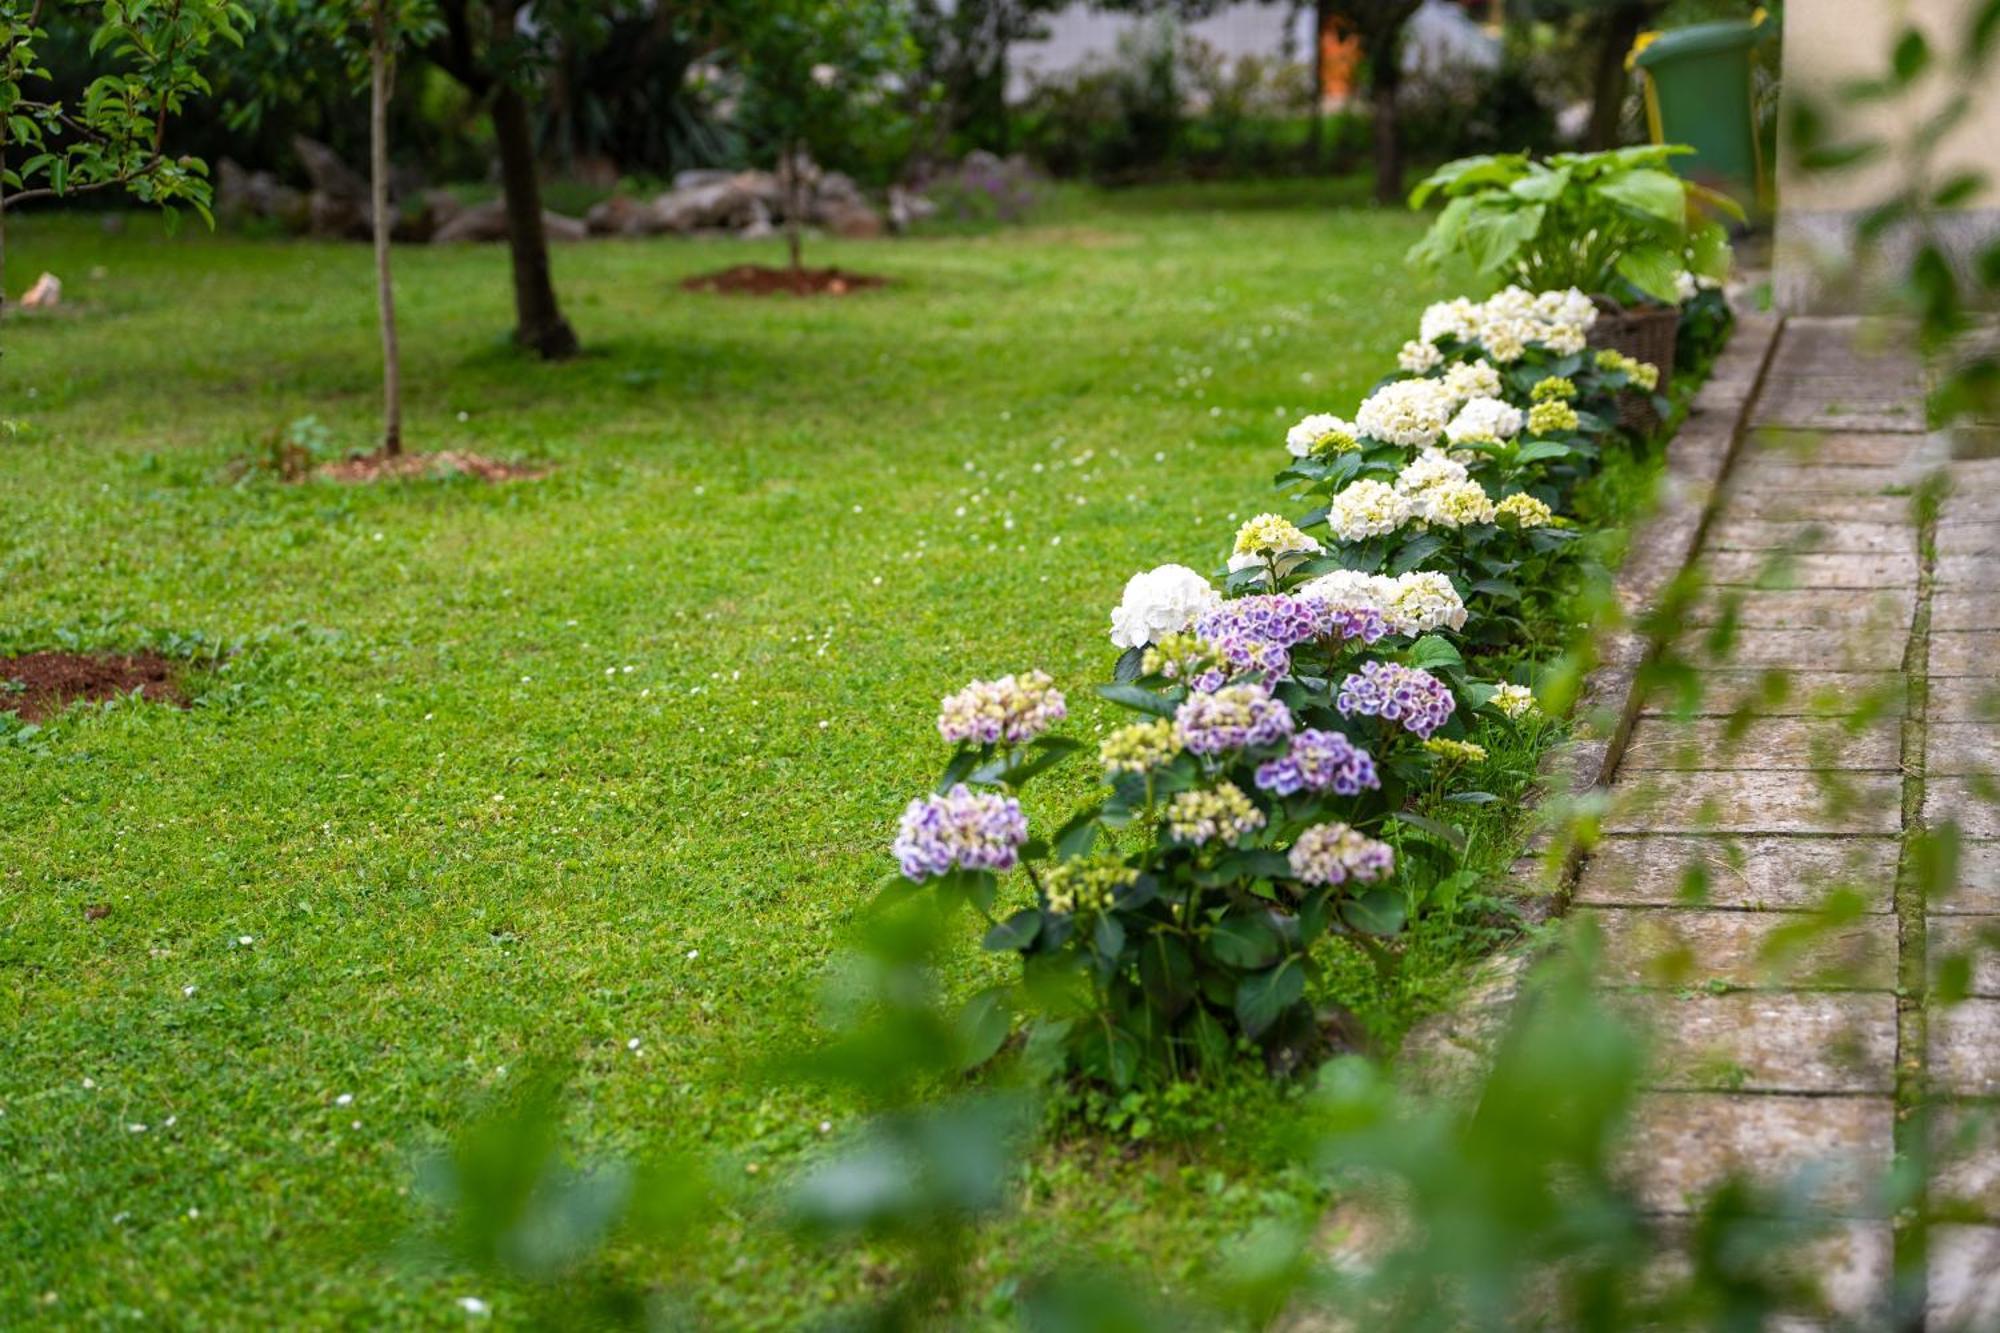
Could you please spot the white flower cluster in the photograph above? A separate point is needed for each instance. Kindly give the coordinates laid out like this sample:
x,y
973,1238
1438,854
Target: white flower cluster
x,y
1269,537
1484,421
1515,701
1411,413
1472,379
1418,356
1409,603
1368,508
1454,504
1506,324
1322,432
1432,467
1160,602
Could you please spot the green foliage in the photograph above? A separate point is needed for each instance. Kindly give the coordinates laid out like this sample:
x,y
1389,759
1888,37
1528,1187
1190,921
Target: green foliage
x,y
1586,220
114,135
824,77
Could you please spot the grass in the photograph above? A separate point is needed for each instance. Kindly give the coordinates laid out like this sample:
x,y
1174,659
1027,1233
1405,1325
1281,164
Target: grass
x,y
493,774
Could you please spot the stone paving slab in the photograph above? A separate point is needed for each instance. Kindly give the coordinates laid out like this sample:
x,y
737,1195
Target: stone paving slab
x,y
1976,938
1781,570
1970,506
1757,802
1763,1041
1833,536
1964,1050
1978,538
1965,1143
1677,947
1806,448
1782,506
1764,744
1738,872
1856,648
1977,892
1964,1279
1973,802
1828,481
1965,652
1973,572
1776,692
1957,749
1957,609
1848,1265
1888,610
1684,1144
1964,699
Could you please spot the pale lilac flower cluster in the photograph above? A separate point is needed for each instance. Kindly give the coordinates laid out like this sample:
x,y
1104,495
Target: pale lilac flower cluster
x,y
963,828
1234,717
1011,709
1336,854
1320,761
1256,633
1396,693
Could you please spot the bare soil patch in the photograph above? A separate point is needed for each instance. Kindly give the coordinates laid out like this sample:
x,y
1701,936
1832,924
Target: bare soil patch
x,y
763,280
365,468
40,685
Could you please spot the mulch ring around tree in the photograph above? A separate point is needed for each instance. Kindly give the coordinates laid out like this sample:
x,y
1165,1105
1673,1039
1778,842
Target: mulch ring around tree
x,y
763,280
364,468
39,685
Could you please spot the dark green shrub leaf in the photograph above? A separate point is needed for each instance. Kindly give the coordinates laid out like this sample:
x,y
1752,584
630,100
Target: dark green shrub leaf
x,y
1016,932
1263,996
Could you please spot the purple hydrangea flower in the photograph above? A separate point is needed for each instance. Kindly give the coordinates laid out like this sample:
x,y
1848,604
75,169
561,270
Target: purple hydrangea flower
x,y
1257,633
1409,695
973,830
1334,854
1232,718
1320,761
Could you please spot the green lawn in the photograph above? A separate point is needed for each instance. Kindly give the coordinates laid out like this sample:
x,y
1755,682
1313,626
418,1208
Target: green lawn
x,y
548,768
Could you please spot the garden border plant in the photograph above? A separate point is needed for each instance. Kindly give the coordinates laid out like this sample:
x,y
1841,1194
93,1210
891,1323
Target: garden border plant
x,y
1309,729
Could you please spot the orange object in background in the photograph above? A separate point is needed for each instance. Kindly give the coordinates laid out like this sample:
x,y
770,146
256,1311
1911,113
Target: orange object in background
x,y
1339,63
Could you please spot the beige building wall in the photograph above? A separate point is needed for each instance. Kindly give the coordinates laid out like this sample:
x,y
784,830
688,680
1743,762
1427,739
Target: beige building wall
x,y
1831,43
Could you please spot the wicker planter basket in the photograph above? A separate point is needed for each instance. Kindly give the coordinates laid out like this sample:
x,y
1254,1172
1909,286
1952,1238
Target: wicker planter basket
x,y
1647,332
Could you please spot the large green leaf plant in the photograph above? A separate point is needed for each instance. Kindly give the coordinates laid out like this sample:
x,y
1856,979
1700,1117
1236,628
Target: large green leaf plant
x,y
1593,221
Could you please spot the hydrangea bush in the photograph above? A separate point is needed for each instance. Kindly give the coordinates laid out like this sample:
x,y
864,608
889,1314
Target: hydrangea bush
x,y
1297,716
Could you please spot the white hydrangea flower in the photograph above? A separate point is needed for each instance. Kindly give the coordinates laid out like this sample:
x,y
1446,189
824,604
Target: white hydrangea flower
x,y
1515,701
1685,287
1472,379
1416,357
1421,602
1159,602
1431,468
1454,505
1269,536
1367,508
1458,317
1302,439
1352,590
1484,419
1408,412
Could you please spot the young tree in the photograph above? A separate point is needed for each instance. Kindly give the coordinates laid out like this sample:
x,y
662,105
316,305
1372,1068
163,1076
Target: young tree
x,y
823,78
115,136
1378,24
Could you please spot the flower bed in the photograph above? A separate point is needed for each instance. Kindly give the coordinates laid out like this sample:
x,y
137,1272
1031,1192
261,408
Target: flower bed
x,y
1306,721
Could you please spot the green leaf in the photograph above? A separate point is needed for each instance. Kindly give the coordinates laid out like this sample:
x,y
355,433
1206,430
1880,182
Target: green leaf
x,y
982,1026
1245,941
1493,237
1449,834
1109,936
1128,666
1434,651
1541,186
1140,698
1652,269
1958,189
1078,836
1534,451
1912,54
1415,551
1263,996
1376,912
1016,932
1654,194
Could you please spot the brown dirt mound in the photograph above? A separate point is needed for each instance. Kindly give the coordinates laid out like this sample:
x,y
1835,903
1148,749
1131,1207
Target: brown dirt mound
x,y
763,280
381,467
39,685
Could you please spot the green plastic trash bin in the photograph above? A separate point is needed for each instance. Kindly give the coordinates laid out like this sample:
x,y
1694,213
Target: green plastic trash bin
x,y
1700,90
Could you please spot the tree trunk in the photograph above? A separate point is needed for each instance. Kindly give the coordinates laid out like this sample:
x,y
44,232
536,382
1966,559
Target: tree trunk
x,y
1316,97
381,72
1385,78
795,206
1607,102
538,320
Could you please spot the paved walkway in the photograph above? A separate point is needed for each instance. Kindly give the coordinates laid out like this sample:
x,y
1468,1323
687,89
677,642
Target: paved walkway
x,y
1797,1030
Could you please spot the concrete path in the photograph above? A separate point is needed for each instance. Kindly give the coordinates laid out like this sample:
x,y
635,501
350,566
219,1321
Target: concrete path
x,y
1760,889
